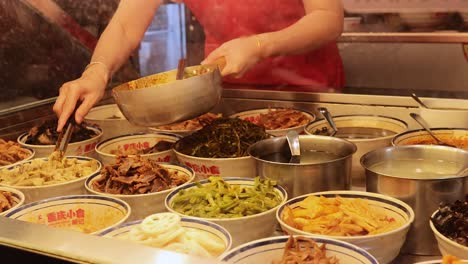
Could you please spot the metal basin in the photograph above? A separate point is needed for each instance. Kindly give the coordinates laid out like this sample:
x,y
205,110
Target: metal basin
x,y
423,177
160,99
368,132
329,168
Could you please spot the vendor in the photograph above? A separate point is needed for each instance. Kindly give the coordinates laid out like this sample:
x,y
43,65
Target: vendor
x,y
264,42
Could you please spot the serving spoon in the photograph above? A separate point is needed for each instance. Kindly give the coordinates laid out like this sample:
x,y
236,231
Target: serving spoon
x,y
293,141
328,117
416,98
424,125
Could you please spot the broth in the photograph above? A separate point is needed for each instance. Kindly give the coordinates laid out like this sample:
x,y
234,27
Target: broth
x,y
356,132
307,157
416,169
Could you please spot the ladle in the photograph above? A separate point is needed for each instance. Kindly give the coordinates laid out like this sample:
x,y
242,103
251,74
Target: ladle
x,y
180,69
328,117
424,125
416,98
293,141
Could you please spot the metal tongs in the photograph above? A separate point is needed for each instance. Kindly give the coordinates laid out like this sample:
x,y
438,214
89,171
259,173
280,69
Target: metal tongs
x,y
65,136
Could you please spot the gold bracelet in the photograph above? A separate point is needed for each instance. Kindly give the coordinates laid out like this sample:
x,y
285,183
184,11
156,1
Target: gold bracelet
x,y
109,80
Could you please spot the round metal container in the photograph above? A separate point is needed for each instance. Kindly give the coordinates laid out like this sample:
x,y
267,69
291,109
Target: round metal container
x,y
310,176
160,99
368,132
423,194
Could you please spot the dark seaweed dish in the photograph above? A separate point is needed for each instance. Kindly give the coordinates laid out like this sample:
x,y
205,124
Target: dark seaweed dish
x,y
452,221
222,138
46,133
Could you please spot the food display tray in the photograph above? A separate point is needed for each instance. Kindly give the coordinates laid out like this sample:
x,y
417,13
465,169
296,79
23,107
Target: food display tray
x,y
76,247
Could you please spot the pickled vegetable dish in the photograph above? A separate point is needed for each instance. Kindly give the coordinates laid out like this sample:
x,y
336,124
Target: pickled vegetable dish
x,y
7,200
46,133
137,175
219,199
303,250
222,138
338,216
452,221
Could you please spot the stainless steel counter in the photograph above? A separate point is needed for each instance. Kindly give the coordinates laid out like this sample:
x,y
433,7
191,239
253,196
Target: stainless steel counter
x,y
406,37
78,247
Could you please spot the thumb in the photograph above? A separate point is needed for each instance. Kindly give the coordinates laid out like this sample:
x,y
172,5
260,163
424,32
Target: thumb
x,y
212,57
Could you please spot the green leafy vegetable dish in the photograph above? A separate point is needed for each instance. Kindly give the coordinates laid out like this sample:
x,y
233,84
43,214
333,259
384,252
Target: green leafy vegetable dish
x,y
222,138
219,199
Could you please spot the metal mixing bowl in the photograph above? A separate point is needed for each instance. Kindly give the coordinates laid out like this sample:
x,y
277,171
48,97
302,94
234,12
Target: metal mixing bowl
x,y
160,99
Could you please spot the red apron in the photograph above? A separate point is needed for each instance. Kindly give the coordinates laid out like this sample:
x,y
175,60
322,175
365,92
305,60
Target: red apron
x,y
223,20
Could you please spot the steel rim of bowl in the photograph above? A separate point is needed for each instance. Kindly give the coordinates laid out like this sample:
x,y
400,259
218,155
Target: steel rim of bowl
x,y
353,151
279,189
437,129
387,149
98,145
81,158
92,178
335,119
364,195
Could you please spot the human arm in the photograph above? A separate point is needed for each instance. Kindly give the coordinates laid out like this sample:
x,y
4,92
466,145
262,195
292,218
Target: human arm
x,y
322,23
122,35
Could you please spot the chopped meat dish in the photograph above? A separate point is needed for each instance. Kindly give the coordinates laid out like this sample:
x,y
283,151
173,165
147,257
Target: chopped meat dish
x,y
132,150
12,152
282,119
7,201
46,134
192,124
136,175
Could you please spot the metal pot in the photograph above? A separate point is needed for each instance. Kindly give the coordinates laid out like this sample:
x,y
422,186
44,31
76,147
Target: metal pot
x,y
309,176
421,192
368,132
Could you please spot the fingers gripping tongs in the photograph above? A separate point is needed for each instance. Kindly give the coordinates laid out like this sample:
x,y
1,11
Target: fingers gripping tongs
x,y
65,136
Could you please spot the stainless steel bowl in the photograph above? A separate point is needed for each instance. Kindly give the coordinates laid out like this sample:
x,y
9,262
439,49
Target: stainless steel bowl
x,y
160,99
307,176
423,194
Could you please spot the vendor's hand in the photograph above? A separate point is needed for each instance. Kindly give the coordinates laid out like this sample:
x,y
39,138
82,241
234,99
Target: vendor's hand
x,y
89,89
240,55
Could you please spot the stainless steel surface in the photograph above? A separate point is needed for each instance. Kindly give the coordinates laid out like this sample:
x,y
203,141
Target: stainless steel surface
x,y
328,117
153,104
411,37
426,127
82,248
303,178
293,141
368,132
416,98
423,195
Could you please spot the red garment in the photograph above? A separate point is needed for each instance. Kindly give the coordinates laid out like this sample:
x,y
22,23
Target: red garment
x,y
223,20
